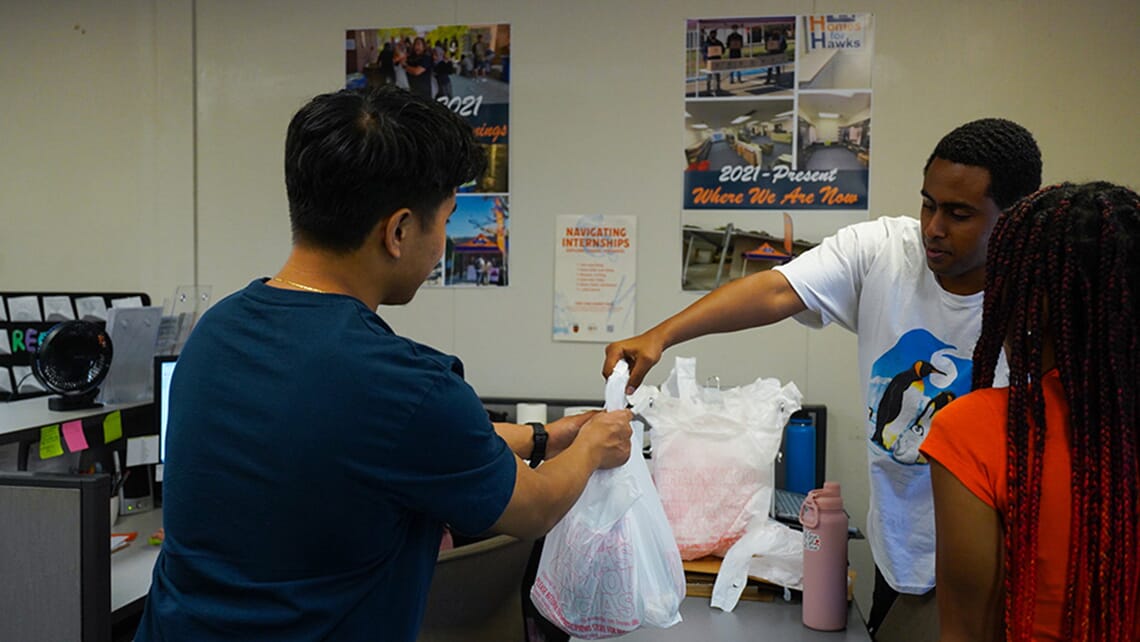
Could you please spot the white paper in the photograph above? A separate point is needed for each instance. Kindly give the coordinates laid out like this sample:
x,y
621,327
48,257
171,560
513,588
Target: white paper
x,y
5,379
58,308
3,310
91,307
25,381
127,302
5,346
133,332
25,308
142,450
119,541
595,278
158,473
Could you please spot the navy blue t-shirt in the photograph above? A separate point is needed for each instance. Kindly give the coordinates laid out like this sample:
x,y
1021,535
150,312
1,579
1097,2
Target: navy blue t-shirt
x,y
312,458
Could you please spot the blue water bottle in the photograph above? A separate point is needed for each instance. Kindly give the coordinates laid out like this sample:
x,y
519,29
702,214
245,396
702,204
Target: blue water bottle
x,y
799,451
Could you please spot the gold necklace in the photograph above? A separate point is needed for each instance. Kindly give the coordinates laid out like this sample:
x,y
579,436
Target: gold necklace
x,y
298,285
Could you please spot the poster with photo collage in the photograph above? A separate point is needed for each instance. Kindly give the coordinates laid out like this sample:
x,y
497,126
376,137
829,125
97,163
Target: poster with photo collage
x,y
467,68
777,137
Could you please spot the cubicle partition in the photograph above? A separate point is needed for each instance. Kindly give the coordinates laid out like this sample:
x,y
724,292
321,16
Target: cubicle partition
x,y
56,559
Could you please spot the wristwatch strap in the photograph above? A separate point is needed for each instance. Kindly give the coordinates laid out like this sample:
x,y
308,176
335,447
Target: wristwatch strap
x,y
539,452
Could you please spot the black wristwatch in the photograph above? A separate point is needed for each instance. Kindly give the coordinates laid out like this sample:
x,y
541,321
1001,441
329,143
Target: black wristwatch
x,y
539,451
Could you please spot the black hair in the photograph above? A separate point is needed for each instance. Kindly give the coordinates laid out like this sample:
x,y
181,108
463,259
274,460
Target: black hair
x,y
355,156
1002,147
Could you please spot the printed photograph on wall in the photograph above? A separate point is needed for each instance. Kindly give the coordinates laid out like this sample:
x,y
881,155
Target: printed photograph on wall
x,y
467,68
777,138
477,243
834,131
740,57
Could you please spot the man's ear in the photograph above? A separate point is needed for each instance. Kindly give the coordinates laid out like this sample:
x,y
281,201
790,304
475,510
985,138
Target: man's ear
x,y
393,231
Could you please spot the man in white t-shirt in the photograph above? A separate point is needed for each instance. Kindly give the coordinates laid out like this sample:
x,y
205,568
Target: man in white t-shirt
x,y
911,289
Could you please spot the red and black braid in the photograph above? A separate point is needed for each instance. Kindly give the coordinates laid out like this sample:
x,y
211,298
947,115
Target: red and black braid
x,y
1065,263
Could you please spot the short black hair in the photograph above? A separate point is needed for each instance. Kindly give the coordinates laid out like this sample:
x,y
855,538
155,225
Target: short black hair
x,y
1004,148
355,156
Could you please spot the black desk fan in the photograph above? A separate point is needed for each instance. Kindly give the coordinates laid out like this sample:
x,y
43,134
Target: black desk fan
x,y
72,360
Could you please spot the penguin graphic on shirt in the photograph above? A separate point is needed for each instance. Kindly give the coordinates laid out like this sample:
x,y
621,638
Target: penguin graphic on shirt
x,y
905,448
891,403
908,383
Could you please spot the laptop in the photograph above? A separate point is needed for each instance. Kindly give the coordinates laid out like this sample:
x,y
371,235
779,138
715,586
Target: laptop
x,y
786,506
786,510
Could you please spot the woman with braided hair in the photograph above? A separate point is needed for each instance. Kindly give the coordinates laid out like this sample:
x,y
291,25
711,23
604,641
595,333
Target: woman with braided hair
x,y
1035,485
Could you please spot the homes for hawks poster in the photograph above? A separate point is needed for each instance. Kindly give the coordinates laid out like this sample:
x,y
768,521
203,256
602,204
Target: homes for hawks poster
x,y
777,137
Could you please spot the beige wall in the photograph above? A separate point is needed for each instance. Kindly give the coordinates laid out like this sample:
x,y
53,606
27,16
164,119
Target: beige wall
x,y
142,141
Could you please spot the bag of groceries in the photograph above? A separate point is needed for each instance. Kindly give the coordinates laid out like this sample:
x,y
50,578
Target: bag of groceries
x,y
610,565
714,454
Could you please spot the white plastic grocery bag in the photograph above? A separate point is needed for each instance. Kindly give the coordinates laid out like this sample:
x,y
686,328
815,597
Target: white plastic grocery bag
x,y
611,565
714,454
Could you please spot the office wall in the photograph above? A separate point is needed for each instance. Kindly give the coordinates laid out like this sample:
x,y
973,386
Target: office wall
x,y
142,145
96,146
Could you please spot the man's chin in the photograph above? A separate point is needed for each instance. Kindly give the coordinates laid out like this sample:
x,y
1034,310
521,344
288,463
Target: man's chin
x,y
940,265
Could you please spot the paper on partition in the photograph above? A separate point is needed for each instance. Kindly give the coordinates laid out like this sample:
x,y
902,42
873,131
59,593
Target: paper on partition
x,y
127,302
142,450
73,435
91,307
58,308
25,381
5,347
3,310
50,443
25,308
133,332
112,427
5,379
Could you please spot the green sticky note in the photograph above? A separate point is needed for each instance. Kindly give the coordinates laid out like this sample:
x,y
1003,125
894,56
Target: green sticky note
x,y
50,444
112,427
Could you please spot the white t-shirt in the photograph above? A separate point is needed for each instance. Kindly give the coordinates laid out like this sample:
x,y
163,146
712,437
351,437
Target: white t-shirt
x,y
916,344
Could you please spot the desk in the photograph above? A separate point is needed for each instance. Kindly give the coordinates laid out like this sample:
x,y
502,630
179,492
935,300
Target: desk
x,y
131,567
29,414
777,620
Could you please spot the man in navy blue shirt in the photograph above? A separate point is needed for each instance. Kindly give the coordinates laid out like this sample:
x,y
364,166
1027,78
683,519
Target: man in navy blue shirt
x,y
313,454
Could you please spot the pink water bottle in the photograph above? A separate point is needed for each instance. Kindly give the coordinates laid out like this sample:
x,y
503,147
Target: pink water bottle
x,y
825,559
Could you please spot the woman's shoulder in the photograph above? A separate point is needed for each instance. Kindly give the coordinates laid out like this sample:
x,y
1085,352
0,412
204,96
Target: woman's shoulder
x,y
983,402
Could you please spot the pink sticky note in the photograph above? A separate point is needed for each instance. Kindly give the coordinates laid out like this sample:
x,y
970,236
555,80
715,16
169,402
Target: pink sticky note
x,y
73,435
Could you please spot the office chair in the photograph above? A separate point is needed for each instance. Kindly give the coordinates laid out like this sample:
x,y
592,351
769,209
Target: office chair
x,y
475,593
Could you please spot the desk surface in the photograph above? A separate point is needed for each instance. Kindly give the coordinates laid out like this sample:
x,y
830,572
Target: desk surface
x,y
131,570
777,620
34,413
131,567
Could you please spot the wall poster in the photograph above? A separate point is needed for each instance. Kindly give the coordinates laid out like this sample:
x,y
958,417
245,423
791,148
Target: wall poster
x,y
777,130
467,68
595,278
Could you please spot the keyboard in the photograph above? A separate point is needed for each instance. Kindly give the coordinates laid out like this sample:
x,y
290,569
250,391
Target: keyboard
x,y
786,509
786,505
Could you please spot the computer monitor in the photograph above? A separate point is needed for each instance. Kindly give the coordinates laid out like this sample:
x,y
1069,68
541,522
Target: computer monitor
x,y
163,371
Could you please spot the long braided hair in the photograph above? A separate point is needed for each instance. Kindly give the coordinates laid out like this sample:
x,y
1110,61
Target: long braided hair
x,y
1065,263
